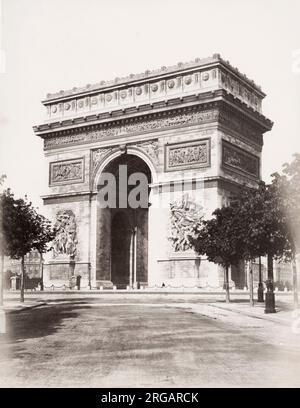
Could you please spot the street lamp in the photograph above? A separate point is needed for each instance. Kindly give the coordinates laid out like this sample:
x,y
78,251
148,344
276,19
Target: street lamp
x,y
270,297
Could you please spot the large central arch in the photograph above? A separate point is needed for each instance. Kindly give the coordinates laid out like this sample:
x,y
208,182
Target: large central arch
x,y
122,233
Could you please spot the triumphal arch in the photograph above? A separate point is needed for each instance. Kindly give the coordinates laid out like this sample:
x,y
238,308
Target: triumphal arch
x,y
193,130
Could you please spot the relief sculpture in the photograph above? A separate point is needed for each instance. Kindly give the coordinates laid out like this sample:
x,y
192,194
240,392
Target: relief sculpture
x,y
185,155
65,241
237,159
185,216
66,171
188,155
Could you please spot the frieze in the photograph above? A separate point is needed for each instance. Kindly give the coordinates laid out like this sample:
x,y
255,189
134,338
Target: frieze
x,y
143,125
187,155
240,160
241,127
66,171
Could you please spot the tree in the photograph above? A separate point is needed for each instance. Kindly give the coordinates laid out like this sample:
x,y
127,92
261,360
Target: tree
x,y
23,230
218,240
288,188
2,178
262,229
252,225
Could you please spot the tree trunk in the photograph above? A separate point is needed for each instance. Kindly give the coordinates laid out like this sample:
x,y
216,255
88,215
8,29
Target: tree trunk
x,y
22,279
42,271
226,284
270,268
260,290
250,274
295,283
1,279
270,297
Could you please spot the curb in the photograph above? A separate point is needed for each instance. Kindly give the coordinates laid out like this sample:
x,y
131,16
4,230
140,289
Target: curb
x,y
278,320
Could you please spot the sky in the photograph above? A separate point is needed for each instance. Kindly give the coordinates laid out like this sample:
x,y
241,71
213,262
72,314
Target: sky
x,y
50,45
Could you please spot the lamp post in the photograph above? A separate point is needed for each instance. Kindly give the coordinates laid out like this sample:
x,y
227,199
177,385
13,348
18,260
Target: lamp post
x,y
260,290
270,297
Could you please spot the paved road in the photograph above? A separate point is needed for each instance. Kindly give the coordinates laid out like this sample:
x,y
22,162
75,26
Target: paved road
x,y
141,344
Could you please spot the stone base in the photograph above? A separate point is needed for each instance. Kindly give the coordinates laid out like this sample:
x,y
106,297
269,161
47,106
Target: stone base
x,y
186,270
105,284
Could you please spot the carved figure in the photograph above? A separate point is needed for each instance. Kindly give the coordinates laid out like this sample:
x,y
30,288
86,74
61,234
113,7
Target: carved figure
x,y
65,241
185,216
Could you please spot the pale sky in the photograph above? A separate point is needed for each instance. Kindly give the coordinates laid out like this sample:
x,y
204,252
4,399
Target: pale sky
x,y
51,45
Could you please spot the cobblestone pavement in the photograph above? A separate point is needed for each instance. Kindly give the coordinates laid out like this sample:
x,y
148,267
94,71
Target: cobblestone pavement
x,y
145,342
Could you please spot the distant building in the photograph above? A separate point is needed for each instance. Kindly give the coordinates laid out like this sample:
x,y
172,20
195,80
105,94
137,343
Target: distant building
x,y
12,267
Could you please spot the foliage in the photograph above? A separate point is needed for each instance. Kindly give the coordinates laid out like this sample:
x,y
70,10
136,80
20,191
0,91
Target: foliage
x,y
252,225
23,229
261,223
217,239
287,185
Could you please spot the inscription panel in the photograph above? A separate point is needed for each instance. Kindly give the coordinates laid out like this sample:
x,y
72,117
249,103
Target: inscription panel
x,y
238,159
66,172
179,156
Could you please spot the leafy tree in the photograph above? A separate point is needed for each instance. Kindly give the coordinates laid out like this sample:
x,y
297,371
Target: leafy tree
x,y
287,185
252,225
23,230
218,240
262,227
2,179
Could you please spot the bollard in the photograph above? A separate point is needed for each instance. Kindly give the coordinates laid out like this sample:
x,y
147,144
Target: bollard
x,y
13,283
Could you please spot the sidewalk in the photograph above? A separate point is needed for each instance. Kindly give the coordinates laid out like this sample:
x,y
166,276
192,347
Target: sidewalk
x,y
284,311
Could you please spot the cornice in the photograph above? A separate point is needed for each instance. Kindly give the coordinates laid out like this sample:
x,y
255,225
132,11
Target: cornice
x,y
151,75
211,100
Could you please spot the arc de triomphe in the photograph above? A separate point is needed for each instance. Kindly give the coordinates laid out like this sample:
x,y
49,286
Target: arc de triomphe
x,y
195,130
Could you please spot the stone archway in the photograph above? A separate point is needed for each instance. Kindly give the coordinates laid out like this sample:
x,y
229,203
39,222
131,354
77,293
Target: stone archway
x,y
122,231
121,250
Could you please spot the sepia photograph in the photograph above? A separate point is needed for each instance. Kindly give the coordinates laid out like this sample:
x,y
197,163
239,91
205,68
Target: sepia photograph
x,y
149,196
